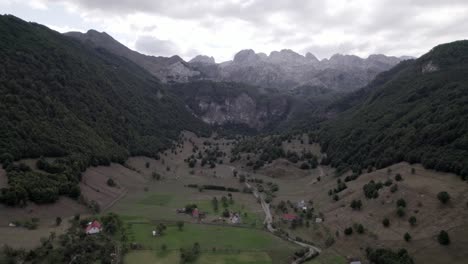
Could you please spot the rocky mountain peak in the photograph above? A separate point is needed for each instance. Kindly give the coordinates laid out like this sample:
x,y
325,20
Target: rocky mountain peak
x,y
247,56
203,59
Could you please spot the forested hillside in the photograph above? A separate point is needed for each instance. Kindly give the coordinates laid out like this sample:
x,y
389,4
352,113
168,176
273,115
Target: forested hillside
x,y
417,112
61,98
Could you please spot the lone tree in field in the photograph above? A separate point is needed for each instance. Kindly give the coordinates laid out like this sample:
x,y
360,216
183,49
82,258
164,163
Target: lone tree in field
x,y
407,237
443,197
386,222
443,238
180,225
215,204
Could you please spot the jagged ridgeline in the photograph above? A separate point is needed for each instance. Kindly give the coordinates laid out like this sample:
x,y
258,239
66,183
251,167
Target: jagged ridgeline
x,y
61,98
416,112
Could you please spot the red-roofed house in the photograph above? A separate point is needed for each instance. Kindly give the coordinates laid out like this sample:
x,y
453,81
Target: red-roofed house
x,y
93,228
195,213
289,217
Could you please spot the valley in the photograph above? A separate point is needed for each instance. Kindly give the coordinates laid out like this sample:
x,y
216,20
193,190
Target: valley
x,y
112,156
143,201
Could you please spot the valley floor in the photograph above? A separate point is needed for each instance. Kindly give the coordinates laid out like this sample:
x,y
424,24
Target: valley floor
x,y
149,192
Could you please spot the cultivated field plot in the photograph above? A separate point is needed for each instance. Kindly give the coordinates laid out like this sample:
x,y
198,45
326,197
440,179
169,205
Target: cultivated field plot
x,y
221,244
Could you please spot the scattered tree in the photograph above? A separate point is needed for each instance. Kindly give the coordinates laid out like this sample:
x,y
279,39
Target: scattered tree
x,y
386,222
58,221
407,237
443,197
180,225
443,238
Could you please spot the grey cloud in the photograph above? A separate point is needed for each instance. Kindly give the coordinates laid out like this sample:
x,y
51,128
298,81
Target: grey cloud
x,y
396,20
153,46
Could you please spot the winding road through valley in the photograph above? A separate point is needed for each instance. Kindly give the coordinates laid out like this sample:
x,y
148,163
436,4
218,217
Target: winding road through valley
x,y
312,250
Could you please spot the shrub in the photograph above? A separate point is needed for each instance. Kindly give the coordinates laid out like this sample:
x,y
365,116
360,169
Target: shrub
x,y
348,231
407,237
398,177
443,197
401,211
360,229
394,188
110,182
356,204
401,203
412,220
386,222
443,238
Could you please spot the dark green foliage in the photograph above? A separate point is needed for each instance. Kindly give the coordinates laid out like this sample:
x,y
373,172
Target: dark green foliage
x,y
58,221
81,100
386,222
359,229
443,197
111,182
215,204
398,177
371,189
62,98
443,238
401,211
407,114
356,204
180,225
191,254
394,188
407,237
412,220
348,231
388,256
75,247
401,203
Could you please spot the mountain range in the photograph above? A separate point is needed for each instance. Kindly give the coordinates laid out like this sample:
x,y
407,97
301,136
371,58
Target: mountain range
x,y
283,69
102,100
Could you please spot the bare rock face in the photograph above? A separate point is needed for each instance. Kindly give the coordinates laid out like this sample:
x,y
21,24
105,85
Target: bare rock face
x,y
203,59
287,70
429,67
241,109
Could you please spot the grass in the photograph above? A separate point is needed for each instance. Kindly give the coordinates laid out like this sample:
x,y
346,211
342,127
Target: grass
x,y
148,256
209,236
328,259
157,200
219,244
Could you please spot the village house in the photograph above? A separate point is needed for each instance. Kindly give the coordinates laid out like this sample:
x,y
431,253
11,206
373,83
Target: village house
x,y
302,205
93,227
289,217
235,218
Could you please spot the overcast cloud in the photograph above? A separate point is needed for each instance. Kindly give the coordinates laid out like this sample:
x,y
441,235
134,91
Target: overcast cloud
x,y
221,28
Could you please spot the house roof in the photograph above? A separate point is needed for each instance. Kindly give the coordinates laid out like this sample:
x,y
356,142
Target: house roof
x,y
94,224
289,216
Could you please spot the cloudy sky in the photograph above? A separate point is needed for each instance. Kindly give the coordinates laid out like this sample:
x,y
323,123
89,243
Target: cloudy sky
x,y
220,28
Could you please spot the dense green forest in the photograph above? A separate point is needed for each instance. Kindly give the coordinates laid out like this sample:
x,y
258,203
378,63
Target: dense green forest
x,y
416,112
60,98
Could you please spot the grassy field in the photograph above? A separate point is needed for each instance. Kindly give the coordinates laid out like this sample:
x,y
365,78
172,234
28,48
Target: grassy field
x,y
219,244
149,256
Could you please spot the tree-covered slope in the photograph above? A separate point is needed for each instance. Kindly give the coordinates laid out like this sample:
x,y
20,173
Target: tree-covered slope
x,y
60,97
417,112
